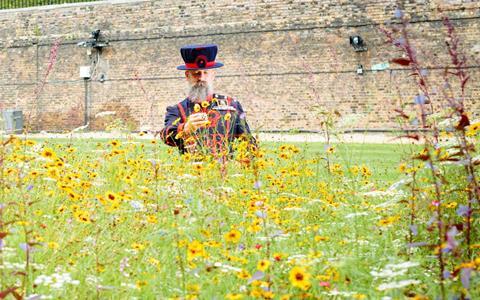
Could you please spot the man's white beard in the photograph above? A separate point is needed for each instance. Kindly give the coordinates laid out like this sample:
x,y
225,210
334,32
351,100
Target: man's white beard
x,y
200,91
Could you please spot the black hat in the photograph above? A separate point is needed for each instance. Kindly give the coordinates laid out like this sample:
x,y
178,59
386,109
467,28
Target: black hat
x,y
199,57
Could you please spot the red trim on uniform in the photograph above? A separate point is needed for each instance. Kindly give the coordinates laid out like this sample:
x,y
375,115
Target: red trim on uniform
x,y
180,127
194,65
182,112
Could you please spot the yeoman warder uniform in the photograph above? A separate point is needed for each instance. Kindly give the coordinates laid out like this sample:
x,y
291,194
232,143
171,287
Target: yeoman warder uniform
x,y
226,117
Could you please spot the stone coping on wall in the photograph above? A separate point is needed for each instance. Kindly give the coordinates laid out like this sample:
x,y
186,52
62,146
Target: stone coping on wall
x,y
64,5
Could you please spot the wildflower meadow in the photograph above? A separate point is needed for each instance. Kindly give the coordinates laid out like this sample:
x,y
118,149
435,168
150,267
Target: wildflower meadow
x,y
130,218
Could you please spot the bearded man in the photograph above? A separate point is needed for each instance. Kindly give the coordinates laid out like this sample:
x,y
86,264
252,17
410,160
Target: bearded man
x,y
204,121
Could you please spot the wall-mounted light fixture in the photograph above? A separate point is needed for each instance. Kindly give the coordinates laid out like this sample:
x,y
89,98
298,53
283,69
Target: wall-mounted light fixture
x,y
360,70
94,41
357,43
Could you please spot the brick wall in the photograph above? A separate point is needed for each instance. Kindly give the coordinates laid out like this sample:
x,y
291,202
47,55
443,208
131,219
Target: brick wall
x,y
283,59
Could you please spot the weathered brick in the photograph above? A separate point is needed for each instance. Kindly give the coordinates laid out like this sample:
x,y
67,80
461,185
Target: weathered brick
x,y
283,59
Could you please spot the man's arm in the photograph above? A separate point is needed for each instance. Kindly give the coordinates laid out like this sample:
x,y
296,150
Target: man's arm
x,y
171,134
179,127
241,125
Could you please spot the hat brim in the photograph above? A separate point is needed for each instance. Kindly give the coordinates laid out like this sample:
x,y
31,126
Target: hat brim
x,y
216,65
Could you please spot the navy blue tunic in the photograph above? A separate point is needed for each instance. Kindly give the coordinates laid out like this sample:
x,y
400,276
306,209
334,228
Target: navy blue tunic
x,y
224,127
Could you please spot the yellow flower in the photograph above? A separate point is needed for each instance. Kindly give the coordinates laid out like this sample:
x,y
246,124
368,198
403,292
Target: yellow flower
x,y
195,249
48,153
452,204
82,216
71,150
321,238
153,261
100,268
152,219
387,221
234,296
263,265
196,107
138,246
205,104
366,171
112,196
473,129
299,278
228,116
72,195
53,245
30,143
330,150
354,170
233,236
114,143
243,274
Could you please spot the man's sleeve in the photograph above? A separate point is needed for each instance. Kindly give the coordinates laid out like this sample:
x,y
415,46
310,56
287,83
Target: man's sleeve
x,y
241,125
171,134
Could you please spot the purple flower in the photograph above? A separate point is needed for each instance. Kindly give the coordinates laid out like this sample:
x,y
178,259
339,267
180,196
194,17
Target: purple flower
x,y
418,244
399,42
430,222
257,185
465,277
414,229
26,247
446,274
256,276
419,99
124,265
261,214
452,243
29,187
463,211
446,249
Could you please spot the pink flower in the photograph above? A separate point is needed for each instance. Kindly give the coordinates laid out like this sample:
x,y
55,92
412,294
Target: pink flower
x,y
324,284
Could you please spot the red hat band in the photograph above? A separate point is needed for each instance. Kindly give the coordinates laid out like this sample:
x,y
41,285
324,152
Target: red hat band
x,y
200,62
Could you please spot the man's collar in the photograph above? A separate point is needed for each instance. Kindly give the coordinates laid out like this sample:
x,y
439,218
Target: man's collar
x,y
209,99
